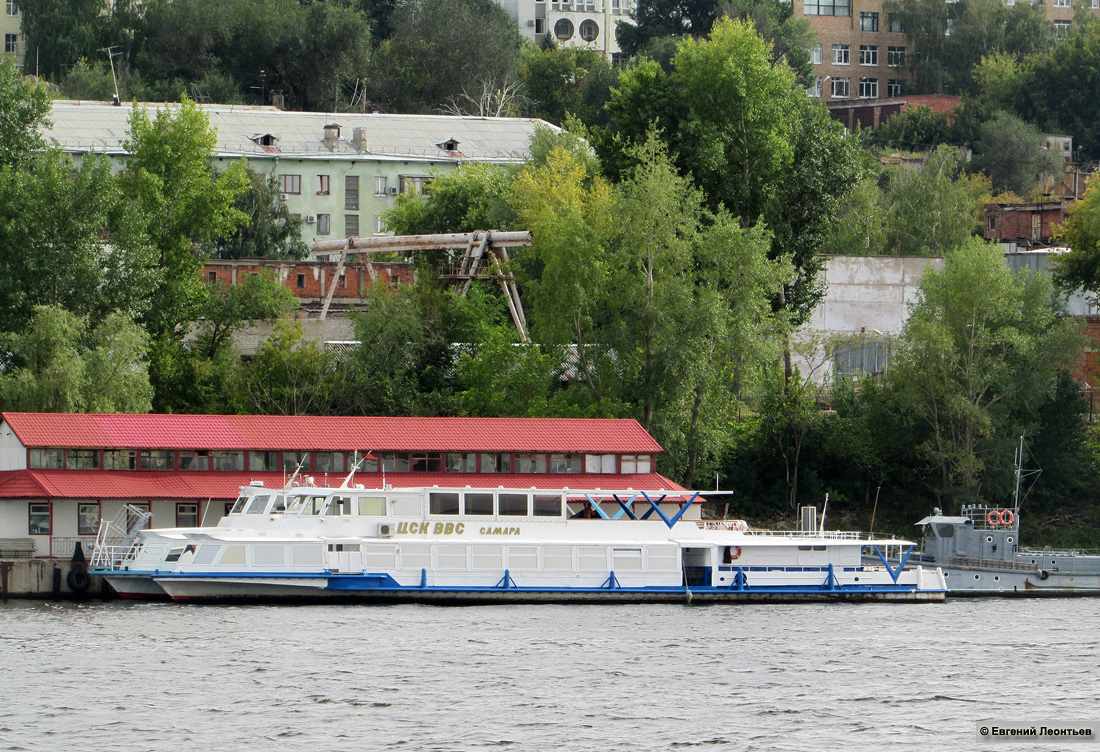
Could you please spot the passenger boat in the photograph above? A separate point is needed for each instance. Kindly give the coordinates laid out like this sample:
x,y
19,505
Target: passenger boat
x,y
979,552
500,544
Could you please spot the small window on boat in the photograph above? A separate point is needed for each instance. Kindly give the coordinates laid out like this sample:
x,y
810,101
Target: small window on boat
x,y
488,557
372,506
523,557
547,506
512,504
206,554
267,555
314,505
233,555
626,559
945,531
416,556
259,503
819,548
451,557
805,548
444,503
155,553
479,503
339,507
238,507
557,557
279,505
591,557
303,555
296,504
174,553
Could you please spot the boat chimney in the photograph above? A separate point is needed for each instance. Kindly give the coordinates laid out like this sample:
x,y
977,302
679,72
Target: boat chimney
x,y
807,519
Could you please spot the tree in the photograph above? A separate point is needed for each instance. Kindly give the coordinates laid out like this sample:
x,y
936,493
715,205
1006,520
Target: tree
x,y
272,232
57,366
662,18
860,228
1073,67
558,82
59,32
289,375
1014,155
1080,268
976,360
24,110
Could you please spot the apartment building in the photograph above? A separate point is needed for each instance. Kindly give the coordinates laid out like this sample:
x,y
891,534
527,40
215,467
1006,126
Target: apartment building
x,y
572,23
10,28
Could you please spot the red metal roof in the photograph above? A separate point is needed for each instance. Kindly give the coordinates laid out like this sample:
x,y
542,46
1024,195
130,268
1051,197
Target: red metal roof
x,y
330,433
116,484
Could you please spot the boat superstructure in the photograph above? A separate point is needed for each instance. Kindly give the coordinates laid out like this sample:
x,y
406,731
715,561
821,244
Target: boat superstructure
x,y
478,545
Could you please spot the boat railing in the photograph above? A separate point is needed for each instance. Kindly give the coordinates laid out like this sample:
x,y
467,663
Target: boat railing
x,y
738,525
992,518
112,554
828,534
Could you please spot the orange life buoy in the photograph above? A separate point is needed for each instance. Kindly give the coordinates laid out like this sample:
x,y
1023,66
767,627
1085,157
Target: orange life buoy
x,y
993,518
735,553
1007,517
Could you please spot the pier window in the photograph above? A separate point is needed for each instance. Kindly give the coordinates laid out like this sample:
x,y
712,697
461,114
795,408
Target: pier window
x,y
530,463
87,519
83,459
328,462
222,460
194,460
601,463
39,520
427,462
263,461
496,462
156,459
510,504
462,462
187,515
395,462
443,503
47,459
632,464
565,463
547,506
479,503
293,460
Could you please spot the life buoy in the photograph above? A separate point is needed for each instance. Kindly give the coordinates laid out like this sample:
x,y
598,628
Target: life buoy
x,y
993,518
735,553
1007,517
78,580
1043,574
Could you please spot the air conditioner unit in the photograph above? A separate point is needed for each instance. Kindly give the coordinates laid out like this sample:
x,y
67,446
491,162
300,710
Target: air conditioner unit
x,y
311,218
282,196
530,22
385,530
393,191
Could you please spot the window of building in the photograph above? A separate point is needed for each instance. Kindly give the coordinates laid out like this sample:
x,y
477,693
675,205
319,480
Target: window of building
x,y
530,463
860,356
379,225
293,460
227,460
841,54
895,56
351,225
290,183
211,277
415,184
496,462
461,462
1095,5
589,30
992,222
868,21
324,186
11,43
39,520
814,89
13,9
301,281
83,459
194,460
187,515
427,462
1061,29
540,26
380,187
120,459
897,26
87,518
1061,3
395,462
815,54
630,464
868,88
328,462
351,192
563,29
868,54
566,463
324,224
840,88
893,87
47,459
156,459
616,7
828,8
263,461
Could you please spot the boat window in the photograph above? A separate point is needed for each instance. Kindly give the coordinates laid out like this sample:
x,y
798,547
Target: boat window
x,y
557,557
512,504
239,505
233,555
258,504
340,507
626,559
314,505
488,557
267,555
416,556
296,504
279,505
372,506
154,553
479,503
305,555
819,548
206,554
451,556
523,557
805,548
591,557
444,503
547,506
945,531
174,554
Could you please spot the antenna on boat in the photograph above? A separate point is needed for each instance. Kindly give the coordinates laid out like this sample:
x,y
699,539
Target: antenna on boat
x,y
1020,476
821,529
356,462
301,464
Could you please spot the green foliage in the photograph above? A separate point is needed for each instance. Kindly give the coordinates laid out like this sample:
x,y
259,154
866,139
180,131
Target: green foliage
x,y
289,375
24,109
1080,268
57,33
663,18
272,232
57,365
860,228
559,82
1058,93
915,128
1013,154
471,197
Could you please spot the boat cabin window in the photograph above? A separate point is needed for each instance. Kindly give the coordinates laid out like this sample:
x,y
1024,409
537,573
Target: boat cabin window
x,y
296,504
443,503
479,503
238,507
547,506
259,503
280,505
372,506
945,531
313,505
174,554
512,504
339,507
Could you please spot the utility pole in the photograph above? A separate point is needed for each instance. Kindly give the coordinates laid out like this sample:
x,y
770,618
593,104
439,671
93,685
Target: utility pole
x,y
111,55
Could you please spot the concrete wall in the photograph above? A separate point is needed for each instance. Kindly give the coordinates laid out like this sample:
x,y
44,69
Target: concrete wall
x,y
38,578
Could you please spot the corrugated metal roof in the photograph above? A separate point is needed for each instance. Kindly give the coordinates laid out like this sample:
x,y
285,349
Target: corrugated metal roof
x,y
330,433
169,486
100,126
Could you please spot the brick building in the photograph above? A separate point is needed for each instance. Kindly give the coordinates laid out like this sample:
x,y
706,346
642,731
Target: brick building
x,y
1017,226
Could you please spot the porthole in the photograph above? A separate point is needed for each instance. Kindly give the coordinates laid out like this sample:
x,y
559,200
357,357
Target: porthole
x,y
977,577
1009,539
996,579
946,574
989,539
563,29
589,30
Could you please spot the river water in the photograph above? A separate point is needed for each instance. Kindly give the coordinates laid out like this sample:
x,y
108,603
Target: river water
x,y
116,676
